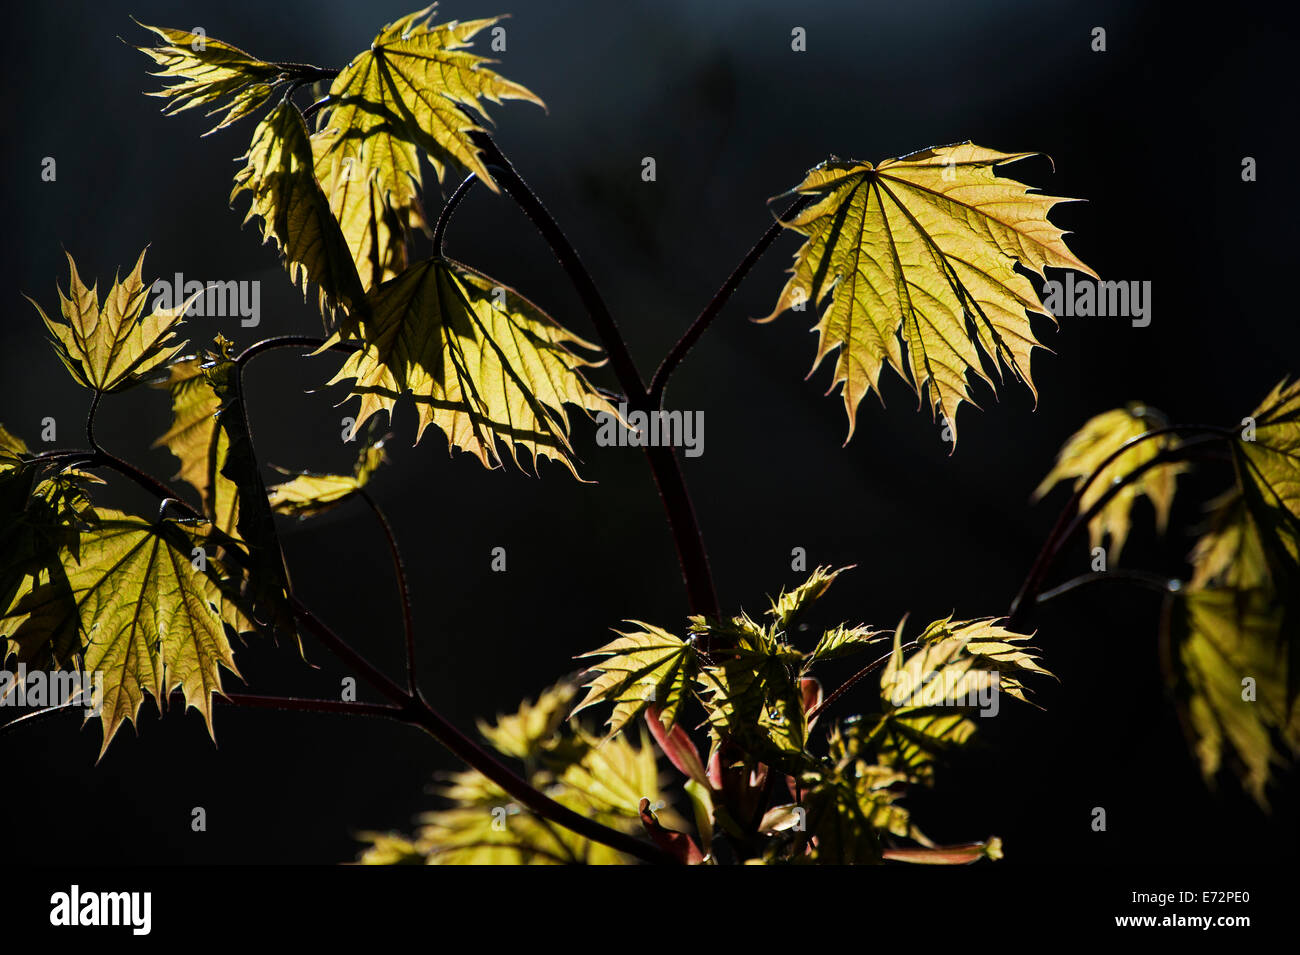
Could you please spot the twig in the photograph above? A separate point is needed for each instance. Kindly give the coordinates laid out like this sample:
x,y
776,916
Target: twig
x,y
399,570
448,208
682,522
716,304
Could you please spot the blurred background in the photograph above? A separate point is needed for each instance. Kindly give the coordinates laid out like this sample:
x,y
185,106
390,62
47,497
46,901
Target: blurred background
x,y
1152,133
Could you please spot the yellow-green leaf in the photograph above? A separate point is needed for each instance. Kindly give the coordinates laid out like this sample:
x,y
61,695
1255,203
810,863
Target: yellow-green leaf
x,y
208,72
375,225
842,641
147,624
1092,444
1268,472
787,607
645,666
280,176
482,362
110,346
1233,652
194,422
310,494
1231,553
917,256
524,733
413,89
927,697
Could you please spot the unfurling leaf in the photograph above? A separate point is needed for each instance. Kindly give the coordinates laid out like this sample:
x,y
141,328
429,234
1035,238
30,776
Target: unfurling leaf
x,y
280,176
948,855
482,362
1096,441
239,505
787,607
310,494
209,72
678,844
754,698
918,257
415,87
644,667
110,347
843,641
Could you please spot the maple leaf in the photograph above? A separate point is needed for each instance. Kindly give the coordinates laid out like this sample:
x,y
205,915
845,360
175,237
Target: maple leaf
x,y
310,494
1231,553
525,733
208,72
205,414
642,667
140,610
373,226
1097,440
927,697
918,255
41,516
1268,473
109,346
791,603
1223,636
482,362
753,695
194,422
280,175
413,89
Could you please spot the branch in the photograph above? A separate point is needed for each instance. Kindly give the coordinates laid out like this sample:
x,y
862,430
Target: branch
x,y
289,341
682,522
90,419
448,208
848,684
300,705
409,707
716,304
1140,578
1065,527
403,590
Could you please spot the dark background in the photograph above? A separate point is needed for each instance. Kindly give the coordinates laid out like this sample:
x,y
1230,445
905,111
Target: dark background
x,y
1151,132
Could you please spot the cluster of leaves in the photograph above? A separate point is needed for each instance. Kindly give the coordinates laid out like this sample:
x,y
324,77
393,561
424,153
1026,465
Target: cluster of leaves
x,y
149,605
343,205
772,789
1234,626
913,263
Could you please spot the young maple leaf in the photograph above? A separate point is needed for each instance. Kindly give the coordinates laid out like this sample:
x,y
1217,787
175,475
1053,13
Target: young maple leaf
x,y
110,346
917,256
